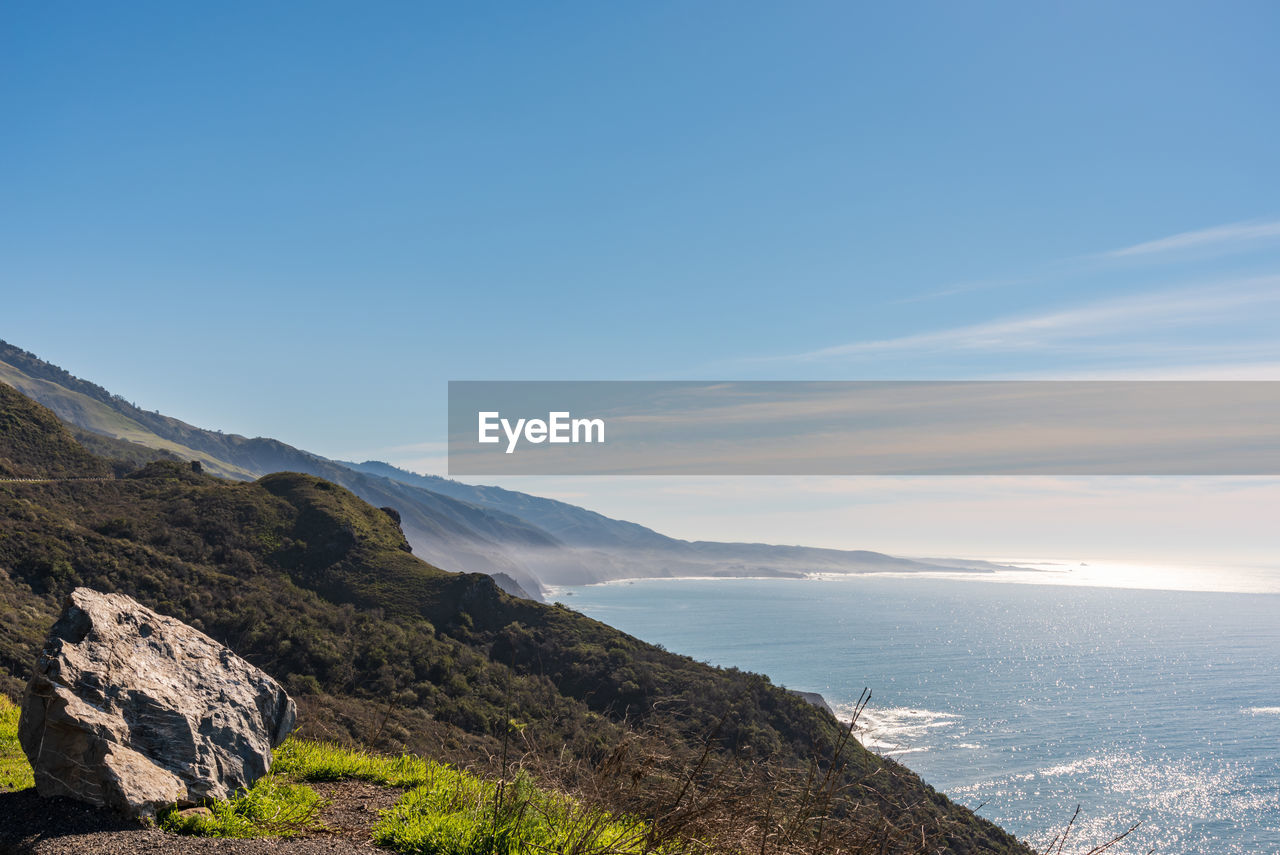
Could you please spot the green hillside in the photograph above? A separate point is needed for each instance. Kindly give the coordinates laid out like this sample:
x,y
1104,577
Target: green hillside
x,y
317,587
33,444
92,414
453,533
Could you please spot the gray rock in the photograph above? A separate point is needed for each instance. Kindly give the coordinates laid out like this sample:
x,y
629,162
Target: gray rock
x,y
136,711
813,698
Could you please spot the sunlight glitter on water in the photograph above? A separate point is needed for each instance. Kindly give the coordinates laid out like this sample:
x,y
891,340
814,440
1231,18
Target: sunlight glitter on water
x,y
1152,788
1135,702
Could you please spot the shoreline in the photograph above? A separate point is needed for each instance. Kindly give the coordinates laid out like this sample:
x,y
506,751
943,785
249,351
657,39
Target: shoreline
x,y
1253,580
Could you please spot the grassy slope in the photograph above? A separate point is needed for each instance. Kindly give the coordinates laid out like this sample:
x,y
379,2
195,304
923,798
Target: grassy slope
x,y
33,444
80,409
317,587
447,810
453,533
125,455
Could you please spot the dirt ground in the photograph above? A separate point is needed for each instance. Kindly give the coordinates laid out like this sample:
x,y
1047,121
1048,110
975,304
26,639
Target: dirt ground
x,y
30,825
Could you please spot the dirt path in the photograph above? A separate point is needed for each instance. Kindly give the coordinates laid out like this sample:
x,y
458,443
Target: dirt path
x,y
30,825
50,480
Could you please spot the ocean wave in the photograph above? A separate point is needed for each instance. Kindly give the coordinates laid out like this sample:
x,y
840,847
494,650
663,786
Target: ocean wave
x,y
897,730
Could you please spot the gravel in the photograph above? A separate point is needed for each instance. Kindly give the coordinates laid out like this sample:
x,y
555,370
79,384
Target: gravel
x,y
30,825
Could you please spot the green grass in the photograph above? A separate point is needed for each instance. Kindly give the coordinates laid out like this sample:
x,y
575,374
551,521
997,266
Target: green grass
x,y
275,806
460,814
304,760
272,807
15,771
446,811
281,804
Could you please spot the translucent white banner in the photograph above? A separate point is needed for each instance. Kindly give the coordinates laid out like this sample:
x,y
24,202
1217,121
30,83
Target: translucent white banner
x,y
864,428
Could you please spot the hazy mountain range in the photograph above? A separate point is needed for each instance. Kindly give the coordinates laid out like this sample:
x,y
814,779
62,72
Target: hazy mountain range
x,y
525,541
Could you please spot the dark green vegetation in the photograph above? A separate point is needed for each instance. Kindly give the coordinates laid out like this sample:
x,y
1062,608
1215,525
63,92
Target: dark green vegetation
x,y
318,588
452,533
37,446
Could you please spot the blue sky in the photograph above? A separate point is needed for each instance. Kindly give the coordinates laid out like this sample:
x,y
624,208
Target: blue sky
x,y
301,219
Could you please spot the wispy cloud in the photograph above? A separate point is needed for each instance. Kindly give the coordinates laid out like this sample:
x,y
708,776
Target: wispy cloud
x,y
1218,238
1225,370
964,288
1099,321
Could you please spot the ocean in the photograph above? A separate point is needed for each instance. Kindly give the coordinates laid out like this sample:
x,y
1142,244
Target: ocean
x,y
1153,706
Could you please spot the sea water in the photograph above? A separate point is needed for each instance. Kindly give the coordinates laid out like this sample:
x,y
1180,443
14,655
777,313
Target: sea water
x,y
1152,706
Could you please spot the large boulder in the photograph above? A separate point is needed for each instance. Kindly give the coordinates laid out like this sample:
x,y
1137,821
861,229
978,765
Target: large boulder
x,y
136,711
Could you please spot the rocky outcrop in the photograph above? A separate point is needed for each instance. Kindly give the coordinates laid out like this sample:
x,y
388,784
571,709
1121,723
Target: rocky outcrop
x,y
136,711
511,586
813,698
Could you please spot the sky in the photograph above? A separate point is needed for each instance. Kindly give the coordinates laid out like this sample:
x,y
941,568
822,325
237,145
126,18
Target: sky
x,y
301,220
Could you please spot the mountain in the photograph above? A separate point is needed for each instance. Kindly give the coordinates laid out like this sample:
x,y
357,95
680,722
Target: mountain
x,y
321,589
572,525
443,530
522,540
618,549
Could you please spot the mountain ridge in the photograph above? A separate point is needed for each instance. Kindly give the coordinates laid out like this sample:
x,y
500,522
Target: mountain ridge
x,y
586,529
